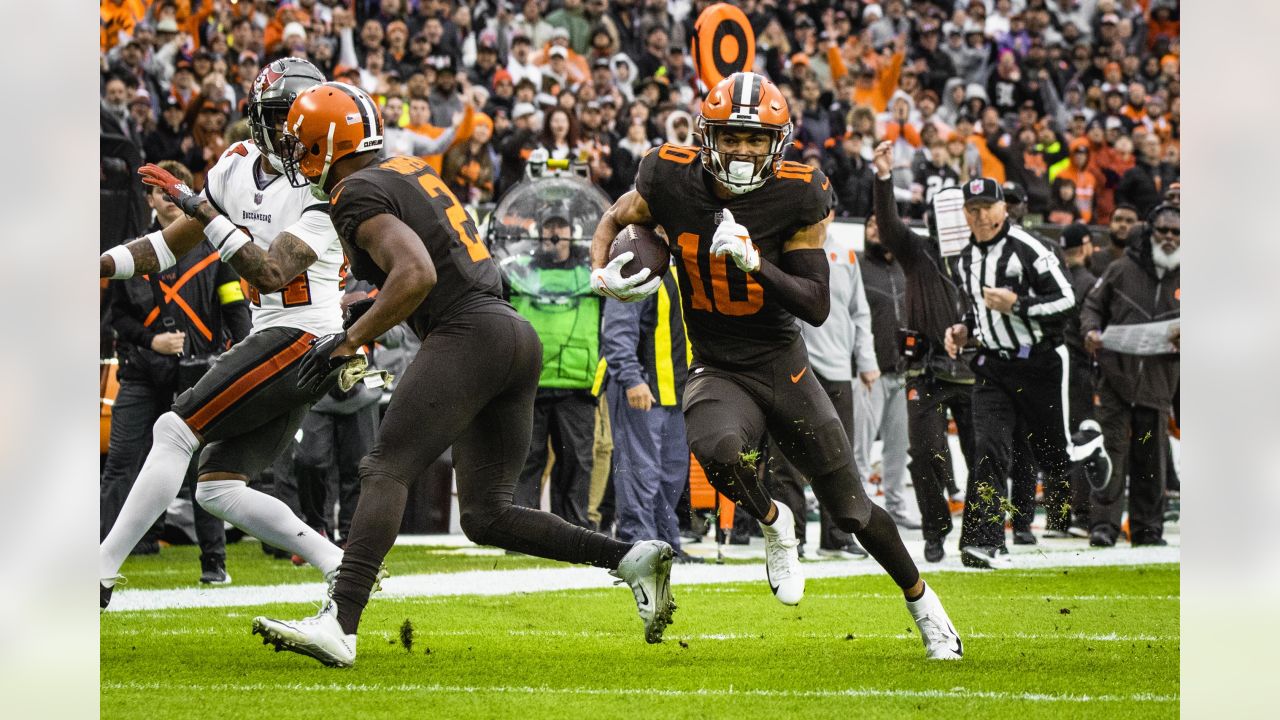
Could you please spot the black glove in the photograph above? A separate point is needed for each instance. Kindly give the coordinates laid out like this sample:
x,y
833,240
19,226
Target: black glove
x,y
317,365
355,311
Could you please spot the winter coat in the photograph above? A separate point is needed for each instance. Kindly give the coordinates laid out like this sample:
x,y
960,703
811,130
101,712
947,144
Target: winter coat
x,y
1129,293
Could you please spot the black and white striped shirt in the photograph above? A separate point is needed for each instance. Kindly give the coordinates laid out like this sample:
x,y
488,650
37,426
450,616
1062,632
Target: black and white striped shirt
x,y
1019,262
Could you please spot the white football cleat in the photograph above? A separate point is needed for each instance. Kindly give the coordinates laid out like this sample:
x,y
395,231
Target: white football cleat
x,y
647,569
941,641
782,560
318,636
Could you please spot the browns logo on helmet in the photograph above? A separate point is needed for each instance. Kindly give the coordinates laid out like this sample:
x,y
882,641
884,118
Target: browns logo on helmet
x,y
326,124
743,102
273,92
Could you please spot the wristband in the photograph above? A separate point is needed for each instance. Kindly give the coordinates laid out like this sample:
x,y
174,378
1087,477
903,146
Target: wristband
x,y
163,254
233,245
123,259
219,230
884,177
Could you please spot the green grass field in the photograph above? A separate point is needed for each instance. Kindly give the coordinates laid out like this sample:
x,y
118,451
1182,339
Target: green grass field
x,y
1059,643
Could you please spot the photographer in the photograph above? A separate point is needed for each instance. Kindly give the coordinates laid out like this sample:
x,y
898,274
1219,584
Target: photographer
x,y
169,327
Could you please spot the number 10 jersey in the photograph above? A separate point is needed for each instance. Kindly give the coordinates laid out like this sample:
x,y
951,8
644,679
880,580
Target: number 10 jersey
x,y
733,321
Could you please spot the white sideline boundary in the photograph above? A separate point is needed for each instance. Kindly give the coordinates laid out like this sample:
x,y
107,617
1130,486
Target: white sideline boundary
x,y
506,582
956,693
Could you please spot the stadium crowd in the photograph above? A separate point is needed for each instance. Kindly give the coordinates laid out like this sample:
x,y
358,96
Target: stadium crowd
x,y
1072,106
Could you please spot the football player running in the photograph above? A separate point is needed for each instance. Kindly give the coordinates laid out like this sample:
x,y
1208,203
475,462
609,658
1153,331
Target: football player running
x,y
746,233
247,407
471,385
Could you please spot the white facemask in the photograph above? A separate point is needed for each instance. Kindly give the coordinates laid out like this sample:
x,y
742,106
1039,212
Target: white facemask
x,y
1163,260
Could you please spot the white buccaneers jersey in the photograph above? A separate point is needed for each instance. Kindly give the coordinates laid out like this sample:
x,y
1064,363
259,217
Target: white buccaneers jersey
x,y
264,206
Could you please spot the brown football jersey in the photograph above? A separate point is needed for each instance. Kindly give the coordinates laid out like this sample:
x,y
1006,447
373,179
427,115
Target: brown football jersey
x,y
733,321
409,189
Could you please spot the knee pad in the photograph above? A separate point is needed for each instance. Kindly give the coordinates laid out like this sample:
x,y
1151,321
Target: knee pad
x,y
721,447
822,451
219,497
477,523
376,467
170,430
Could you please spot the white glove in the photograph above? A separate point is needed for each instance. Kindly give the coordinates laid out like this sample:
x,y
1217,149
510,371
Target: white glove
x,y
732,239
608,281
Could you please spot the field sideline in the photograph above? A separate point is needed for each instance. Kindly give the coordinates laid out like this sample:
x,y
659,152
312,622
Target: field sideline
x,y
471,633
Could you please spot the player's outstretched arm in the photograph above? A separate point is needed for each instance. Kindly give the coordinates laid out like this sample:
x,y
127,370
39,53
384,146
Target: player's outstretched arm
x,y
801,280
151,253
411,275
630,209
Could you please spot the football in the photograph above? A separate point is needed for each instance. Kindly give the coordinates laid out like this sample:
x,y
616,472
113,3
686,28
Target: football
x,y
650,248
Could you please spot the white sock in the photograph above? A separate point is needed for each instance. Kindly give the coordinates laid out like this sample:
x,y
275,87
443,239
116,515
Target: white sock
x,y
267,519
157,485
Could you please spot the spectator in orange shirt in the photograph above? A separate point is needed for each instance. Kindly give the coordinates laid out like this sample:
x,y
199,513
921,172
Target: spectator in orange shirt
x,y
1136,107
468,168
116,19
1086,182
876,86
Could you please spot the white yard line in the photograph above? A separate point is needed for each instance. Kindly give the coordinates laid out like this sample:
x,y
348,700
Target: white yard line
x,y
428,634
506,582
957,693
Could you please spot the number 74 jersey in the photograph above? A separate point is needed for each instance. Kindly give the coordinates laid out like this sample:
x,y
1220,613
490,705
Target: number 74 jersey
x,y
263,206
732,320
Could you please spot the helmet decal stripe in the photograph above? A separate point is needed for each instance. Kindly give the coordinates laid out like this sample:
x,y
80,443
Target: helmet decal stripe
x,y
367,114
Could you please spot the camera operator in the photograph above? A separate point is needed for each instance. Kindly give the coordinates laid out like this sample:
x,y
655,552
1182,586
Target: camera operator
x,y
169,327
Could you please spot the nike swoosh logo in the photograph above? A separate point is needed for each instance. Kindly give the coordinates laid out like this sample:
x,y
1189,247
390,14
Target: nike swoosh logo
x,y
643,595
796,378
959,648
769,577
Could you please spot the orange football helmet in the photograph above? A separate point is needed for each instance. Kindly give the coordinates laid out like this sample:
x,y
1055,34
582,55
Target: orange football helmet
x,y
327,123
744,100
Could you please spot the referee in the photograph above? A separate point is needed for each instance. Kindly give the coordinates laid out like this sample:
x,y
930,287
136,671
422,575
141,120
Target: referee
x,y
1018,299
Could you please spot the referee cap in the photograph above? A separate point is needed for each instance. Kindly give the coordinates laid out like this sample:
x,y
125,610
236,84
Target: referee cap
x,y
983,190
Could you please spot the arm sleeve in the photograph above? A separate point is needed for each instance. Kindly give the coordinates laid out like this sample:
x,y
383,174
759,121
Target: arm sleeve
x,y
889,76
895,235
864,348
619,337
801,283
836,63
315,228
1053,294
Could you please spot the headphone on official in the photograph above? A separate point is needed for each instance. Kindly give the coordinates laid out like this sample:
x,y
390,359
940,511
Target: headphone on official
x,y
1156,212
1161,208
